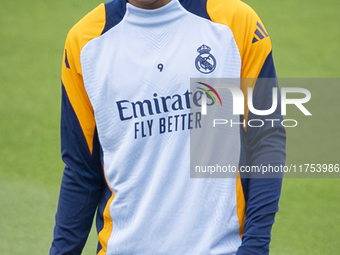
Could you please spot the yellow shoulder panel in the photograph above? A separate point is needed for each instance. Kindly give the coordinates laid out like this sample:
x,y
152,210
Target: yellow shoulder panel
x,y
250,35
243,21
91,26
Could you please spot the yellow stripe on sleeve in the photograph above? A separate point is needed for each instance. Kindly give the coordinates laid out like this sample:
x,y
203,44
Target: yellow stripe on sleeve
x,y
105,233
91,26
240,204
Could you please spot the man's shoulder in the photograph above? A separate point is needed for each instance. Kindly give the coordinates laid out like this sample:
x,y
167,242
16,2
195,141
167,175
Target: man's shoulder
x,y
231,12
89,27
244,22
97,22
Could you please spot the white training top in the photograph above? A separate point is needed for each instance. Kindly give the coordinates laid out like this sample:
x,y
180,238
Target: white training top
x,y
137,76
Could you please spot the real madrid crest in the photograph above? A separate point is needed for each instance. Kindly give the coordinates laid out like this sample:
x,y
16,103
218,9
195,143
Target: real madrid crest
x,y
205,62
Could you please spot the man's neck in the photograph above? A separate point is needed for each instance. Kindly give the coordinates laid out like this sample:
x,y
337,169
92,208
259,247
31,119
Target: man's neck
x,y
149,4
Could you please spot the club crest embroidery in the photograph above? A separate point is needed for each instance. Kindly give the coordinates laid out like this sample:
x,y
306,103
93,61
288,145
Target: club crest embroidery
x,y
205,61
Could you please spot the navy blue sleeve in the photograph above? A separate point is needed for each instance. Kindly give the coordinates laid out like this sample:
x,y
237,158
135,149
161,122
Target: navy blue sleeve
x,y
262,146
81,187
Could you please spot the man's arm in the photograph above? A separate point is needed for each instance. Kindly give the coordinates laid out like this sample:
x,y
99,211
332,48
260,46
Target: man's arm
x,y
262,146
81,185
83,178
265,145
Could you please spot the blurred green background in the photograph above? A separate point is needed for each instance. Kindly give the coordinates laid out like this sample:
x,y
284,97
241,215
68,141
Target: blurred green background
x,y
305,36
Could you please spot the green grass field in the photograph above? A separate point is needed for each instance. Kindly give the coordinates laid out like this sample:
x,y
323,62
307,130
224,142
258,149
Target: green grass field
x,y
305,36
